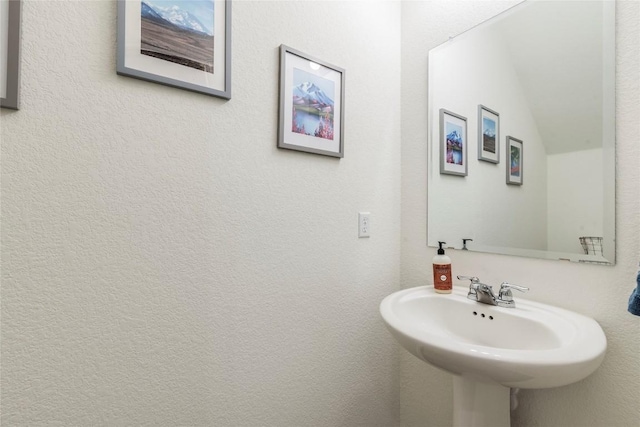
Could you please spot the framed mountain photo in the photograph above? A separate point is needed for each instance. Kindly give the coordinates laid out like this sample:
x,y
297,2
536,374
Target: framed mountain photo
x,y
311,104
180,43
453,143
515,156
488,135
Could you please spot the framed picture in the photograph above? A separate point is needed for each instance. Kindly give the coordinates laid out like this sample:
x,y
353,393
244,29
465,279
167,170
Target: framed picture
x,y
311,116
10,53
180,43
514,161
453,143
488,135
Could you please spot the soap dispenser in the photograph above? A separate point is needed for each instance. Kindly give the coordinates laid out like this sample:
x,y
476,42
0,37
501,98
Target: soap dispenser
x,y
442,280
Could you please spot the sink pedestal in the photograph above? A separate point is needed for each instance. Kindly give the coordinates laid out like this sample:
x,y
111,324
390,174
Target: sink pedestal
x,y
480,404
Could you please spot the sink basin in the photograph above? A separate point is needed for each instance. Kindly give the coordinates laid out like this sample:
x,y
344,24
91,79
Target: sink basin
x,y
490,349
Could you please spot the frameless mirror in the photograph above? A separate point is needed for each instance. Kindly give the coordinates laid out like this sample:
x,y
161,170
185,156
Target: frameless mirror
x,y
522,135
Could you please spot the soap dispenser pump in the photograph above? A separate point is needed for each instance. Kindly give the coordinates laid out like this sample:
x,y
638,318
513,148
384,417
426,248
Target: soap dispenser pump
x,y
442,280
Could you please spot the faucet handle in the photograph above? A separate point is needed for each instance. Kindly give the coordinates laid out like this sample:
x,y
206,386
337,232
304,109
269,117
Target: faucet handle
x,y
473,286
505,291
473,279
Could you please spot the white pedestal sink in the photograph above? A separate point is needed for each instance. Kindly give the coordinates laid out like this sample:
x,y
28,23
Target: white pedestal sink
x,y
490,349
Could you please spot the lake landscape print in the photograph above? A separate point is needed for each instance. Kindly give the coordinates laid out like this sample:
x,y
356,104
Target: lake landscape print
x,y
179,31
313,105
454,143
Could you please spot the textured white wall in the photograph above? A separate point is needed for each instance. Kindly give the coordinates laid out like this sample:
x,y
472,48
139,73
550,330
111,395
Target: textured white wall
x,y
607,398
574,185
163,263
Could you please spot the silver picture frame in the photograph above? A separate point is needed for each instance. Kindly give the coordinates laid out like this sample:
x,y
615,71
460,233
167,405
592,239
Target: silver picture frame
x,y
515,159
453,144
488,135
311,108
10,98
199,69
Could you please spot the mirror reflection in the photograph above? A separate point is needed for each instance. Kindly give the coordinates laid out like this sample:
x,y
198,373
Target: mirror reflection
x,y
522,137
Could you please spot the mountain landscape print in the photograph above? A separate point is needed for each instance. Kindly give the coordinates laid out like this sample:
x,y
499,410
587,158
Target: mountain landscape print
x,y
313,106
454,144
179,31
488,135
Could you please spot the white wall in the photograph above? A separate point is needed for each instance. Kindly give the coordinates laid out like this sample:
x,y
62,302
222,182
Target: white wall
x,y
470,71
607,398
574,183
163,263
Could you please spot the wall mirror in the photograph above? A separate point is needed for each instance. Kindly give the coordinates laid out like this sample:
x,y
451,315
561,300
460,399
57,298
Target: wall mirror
x,y
522,134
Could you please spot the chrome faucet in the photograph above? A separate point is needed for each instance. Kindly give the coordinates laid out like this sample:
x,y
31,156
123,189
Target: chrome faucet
x,y
484,293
